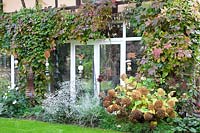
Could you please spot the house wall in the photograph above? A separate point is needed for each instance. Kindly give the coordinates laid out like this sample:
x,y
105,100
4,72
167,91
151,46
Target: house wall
x,y
16,5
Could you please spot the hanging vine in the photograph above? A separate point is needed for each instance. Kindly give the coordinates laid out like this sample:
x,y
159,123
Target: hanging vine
x,y
27,34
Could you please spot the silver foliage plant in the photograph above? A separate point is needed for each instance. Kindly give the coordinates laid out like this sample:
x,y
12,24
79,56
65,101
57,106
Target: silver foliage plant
x,y
84,110
58,101
87,111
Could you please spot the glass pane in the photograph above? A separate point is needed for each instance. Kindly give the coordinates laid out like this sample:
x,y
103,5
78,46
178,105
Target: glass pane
x,y
134,51
109,66
61,65
4,72
64,62
130,32
115,30
84,67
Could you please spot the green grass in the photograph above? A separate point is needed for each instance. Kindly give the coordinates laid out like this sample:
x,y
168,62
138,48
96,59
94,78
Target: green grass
x,y
27,126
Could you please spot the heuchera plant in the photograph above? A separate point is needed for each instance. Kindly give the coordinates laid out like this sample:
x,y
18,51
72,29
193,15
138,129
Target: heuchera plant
x,y
139,103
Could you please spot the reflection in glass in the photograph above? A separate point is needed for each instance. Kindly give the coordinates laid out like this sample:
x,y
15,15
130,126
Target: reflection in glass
x,y
134,51
84,67
61,65
109,66
115,30
130,32
5,70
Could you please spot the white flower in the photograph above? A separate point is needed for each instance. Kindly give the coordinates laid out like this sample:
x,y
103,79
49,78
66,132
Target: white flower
x,y
5,97
9,87
17,88
143,78
6,94
118,126
14,102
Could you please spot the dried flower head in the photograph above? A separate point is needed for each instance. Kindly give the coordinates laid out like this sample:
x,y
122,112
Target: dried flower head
x,y
161,92
136,95
169,110
123,77
112,93
118,101
150,106
122,113
109,109
115,107
171,102
106,103
136,114
148,116
160,113
125,102
108,98
143,90
172,114
158,104
131,118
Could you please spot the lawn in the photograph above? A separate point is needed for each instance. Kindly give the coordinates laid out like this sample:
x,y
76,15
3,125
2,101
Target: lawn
x,y
29,126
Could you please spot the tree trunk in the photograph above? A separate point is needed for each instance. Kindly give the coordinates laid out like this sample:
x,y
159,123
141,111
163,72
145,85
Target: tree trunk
x,y
36,2
23,3
1,6
30,92
56,3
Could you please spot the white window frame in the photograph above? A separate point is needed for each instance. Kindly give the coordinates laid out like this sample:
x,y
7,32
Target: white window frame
x,y
122,41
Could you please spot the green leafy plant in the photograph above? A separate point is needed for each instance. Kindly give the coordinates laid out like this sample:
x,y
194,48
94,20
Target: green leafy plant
x,y
186,124
4,85
110,121
33,113
14,103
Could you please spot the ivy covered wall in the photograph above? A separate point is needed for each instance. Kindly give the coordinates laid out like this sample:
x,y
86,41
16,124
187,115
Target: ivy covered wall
x,y
169,30
27,34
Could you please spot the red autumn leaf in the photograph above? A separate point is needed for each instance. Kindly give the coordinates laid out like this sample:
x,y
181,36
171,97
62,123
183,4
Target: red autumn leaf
x,y
147,23
180,53
167,46
47,54
157,52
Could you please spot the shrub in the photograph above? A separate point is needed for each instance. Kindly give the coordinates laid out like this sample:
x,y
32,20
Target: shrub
x,y
140,104
59,107
56,106
4,85
1,108
33,112
14,103
110,121
87,111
